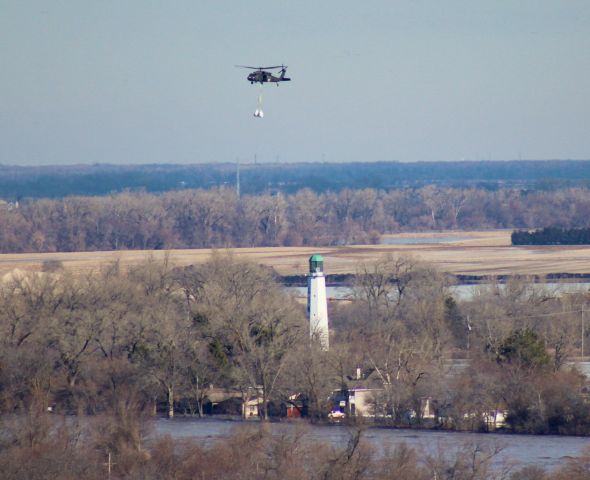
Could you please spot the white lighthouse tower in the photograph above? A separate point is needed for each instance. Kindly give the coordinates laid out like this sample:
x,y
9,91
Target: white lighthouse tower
x,y
317,303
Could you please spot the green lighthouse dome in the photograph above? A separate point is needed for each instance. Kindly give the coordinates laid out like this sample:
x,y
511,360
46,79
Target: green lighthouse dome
x,y
316,264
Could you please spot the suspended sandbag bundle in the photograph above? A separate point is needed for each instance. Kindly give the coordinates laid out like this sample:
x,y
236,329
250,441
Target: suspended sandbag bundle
x,y
258,112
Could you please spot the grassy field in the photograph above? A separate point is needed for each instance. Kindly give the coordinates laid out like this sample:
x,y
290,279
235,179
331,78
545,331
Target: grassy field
x,y
467,253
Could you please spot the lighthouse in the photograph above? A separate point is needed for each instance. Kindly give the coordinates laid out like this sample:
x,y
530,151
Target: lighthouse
x,y
317,304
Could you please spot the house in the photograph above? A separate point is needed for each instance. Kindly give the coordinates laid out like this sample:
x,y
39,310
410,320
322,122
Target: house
x,y
363,402
223,401
357,401
366,398
495,419
250,407
295,406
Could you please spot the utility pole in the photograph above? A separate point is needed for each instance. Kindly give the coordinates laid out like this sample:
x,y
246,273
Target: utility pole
x,y
468,333
109,465
583,331
238,177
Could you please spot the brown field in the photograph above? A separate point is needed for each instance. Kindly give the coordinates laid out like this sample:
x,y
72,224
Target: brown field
x,y
477,253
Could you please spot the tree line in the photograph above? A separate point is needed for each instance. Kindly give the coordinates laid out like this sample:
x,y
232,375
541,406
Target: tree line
x,y
107,350
218,218
552,236
157,337
403,327
58,181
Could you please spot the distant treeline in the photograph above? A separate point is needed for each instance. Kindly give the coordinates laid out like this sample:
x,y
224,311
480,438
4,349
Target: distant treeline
x,y
219,218
552,236
100,179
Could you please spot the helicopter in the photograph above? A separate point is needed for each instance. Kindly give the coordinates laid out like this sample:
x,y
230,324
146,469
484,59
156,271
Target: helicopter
x,y
260,74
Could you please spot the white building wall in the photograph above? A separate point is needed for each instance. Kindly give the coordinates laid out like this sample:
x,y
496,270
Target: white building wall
x,y
317,307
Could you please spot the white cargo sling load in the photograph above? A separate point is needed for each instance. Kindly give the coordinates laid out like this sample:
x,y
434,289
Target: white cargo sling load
x,y
259,113
317,302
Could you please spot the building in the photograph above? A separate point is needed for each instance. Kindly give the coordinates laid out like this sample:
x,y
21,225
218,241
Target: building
x,y
317,303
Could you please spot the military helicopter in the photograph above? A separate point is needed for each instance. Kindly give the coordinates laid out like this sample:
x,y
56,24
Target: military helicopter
x,y
260,75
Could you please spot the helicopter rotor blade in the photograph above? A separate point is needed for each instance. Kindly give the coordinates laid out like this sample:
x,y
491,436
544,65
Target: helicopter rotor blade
x,y
262,68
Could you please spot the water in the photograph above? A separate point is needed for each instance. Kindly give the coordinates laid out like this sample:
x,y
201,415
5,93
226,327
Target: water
x,y
338,293
547,451
583,367
459,292
457,366
467,292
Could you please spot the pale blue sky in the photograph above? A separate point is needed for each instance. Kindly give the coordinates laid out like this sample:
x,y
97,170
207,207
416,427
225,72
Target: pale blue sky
x,y
136,81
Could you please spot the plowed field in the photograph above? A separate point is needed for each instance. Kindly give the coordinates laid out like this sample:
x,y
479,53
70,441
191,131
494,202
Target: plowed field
x,y
467,253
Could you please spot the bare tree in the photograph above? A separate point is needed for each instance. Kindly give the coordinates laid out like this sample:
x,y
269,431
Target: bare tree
x,y
251,323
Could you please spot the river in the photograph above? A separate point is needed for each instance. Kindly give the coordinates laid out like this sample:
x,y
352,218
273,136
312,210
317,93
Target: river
x,y
461,292
548,451
542,450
